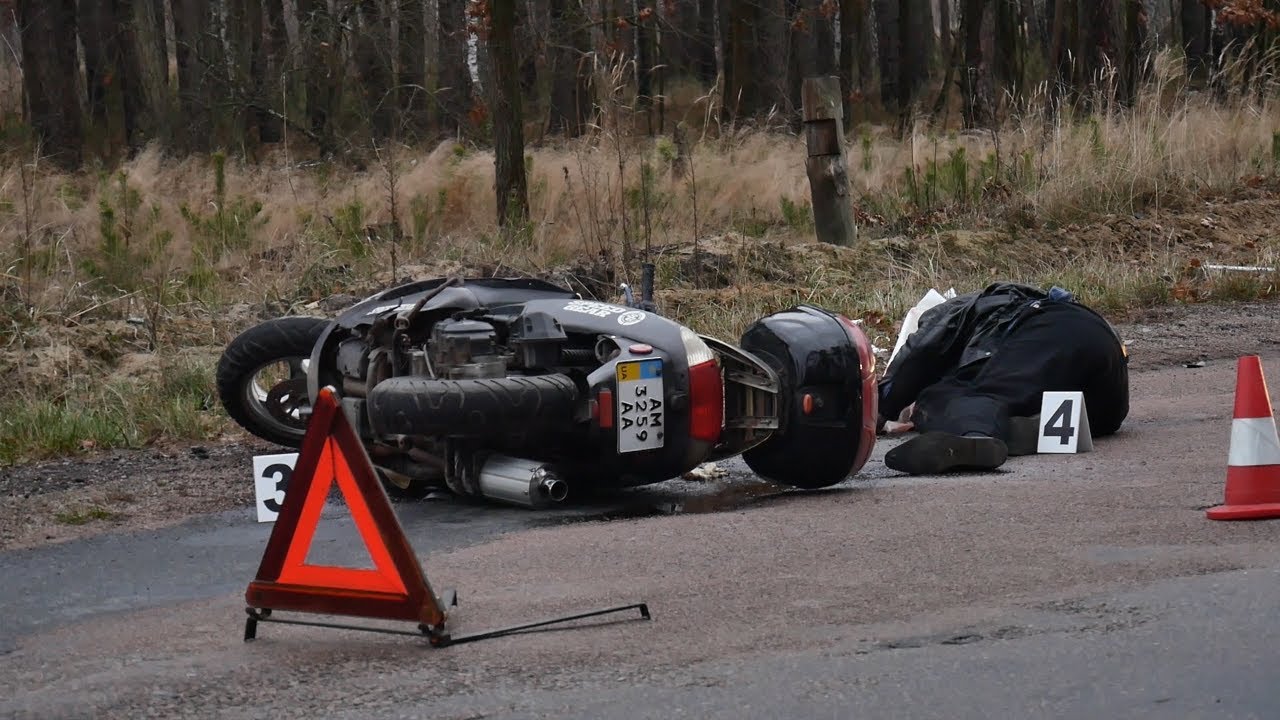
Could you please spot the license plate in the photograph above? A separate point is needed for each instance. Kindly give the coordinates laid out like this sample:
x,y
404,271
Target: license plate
x,y
641,410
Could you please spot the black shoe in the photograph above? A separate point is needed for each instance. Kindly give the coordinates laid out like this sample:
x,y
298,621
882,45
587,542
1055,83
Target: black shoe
x,y
1024,435
939,452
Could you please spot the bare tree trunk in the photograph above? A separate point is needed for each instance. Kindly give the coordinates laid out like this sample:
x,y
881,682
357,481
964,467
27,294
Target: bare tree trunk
x,y
772,56
821,47
1096,47
644,68
1030,48
160,9
755,50
705,41
126,78
50,76
976,84
1196,20
539,50
374,66
916,22
510,183
1006,44
1062,39
484,67
202,82
1135,42
949,55
678,26
455,76
530,39
147,67
855,55
890,45
411,73
318,59
10,66
102,65
244,40
739,25
273,67
570,79
945,36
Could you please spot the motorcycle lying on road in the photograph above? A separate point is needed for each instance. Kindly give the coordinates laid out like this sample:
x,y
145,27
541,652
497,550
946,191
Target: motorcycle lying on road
x,y
518,390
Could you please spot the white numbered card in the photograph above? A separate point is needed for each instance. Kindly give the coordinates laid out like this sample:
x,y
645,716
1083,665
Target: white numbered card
x,y
641,411
271,474
1064,424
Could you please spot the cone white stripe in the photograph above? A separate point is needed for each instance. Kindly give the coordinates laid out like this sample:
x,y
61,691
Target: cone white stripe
x,y
1254,442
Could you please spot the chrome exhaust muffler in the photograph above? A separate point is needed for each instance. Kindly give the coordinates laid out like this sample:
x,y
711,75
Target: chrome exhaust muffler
x,y
528,483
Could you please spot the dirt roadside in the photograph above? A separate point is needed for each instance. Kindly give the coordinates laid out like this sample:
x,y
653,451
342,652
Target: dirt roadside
x,y
868,563
124,490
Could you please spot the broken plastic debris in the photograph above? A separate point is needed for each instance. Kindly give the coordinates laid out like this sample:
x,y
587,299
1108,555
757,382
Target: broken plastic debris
x,y
706,471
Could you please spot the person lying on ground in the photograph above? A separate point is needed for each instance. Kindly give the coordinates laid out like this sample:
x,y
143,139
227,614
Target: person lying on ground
x,y
970,379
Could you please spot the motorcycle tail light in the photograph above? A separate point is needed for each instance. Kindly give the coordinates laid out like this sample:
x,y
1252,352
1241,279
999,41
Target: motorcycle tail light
x,y
706,388
604,410
706,395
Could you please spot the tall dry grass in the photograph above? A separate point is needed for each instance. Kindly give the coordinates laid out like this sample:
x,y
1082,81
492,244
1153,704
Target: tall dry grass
x,y
283,229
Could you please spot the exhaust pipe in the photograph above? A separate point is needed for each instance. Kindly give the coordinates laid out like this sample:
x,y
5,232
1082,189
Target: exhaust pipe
x,y
528,483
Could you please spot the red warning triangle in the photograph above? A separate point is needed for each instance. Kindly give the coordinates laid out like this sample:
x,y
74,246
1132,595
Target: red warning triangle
x,y
394,589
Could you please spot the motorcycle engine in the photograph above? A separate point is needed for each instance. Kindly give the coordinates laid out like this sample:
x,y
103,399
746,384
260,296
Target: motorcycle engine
x,y
466,349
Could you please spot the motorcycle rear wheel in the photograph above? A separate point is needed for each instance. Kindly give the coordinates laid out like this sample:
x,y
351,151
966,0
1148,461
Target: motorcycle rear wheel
x,y
275,410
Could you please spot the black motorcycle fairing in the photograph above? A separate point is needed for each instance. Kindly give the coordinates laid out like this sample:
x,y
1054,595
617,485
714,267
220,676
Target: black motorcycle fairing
x,y
591,317
631,331
599,463
469,294
472,293
637,335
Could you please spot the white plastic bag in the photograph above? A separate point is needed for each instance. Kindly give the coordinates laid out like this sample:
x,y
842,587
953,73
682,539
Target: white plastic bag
x,y
912,321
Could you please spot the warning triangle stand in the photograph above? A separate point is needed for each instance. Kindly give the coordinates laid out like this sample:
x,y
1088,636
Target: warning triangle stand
x,y
394,589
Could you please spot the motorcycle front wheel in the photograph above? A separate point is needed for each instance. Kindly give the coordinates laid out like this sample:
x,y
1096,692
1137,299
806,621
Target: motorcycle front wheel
x,y
262,378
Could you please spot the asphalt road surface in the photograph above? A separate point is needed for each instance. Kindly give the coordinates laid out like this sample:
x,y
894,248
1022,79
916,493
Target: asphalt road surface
x,y
1087,586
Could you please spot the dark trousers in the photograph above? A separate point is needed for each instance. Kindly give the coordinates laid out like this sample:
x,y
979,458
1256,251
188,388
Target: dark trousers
x,y
1059,348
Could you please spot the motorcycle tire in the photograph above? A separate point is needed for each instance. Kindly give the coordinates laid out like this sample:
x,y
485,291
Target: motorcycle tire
x,y
287,339
471,407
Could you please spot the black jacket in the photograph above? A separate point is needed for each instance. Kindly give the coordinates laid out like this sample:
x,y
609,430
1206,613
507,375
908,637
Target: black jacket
x,y
964,330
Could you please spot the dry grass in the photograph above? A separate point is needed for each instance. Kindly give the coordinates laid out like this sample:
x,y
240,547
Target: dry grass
x,y
1115,162
173,244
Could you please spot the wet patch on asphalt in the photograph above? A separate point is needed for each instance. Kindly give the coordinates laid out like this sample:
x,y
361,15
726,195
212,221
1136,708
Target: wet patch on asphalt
x,y
640,503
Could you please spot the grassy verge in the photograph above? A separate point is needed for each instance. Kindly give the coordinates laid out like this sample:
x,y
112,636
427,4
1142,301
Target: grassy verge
x,y
177,405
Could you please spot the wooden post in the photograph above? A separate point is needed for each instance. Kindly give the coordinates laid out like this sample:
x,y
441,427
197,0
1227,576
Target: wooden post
x,y
828,175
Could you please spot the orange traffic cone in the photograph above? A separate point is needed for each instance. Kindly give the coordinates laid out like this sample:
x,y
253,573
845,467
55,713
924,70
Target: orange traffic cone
x,y
1253,462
